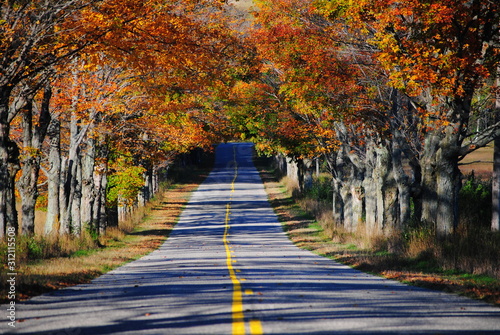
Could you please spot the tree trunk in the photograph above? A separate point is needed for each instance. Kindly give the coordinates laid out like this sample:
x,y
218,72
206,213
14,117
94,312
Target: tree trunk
x,y
495,196
100,219
428,194
352,192
292,170
27,184
69,179
76,198
335,165
381,191
402,184
53,177
440,180
155,180
370,187
146,192
389,202
380,178
338,203
64,198
33,137
100,211
495,191
9,165
88,188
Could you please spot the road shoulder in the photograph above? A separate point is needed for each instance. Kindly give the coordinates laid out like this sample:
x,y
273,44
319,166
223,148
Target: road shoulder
x,y
303,230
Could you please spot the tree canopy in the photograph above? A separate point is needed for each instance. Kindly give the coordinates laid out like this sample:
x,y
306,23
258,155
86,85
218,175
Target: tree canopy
x,y
97,96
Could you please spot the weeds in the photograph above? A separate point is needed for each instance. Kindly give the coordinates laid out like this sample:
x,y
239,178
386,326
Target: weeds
x,y
473,248
32,248
467,263
46,263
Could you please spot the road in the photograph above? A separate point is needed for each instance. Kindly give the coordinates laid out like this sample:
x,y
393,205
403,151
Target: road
x,y
228,268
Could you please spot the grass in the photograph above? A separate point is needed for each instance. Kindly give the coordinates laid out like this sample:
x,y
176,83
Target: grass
x,y
418,264
49,263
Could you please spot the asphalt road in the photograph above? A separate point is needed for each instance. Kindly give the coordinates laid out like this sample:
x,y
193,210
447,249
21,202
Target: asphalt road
x,y
228,268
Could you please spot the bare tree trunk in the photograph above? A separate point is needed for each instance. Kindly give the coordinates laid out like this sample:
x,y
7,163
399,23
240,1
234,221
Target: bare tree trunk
x,y
69,178
495,191
440,181
390,206
335,164
146,192
88,188
100,212
381,191
338,203
357,202
64,198
12,168
103,211
100,218
27,184
380,178
76,198
402,180
370,187
155,180
292,170
352,192
53,177
33,137
9,165
448,187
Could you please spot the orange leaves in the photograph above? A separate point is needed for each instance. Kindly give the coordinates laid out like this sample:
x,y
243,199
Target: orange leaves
x,y
314,74
173,57
432,45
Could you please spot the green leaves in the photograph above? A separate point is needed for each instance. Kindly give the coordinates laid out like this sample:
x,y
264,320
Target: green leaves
x,y
125,182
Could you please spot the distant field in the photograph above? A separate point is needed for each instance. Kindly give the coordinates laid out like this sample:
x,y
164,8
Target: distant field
x,y
479,161
242,4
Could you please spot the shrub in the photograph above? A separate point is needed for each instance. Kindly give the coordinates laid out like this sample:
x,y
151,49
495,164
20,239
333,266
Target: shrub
x,y
475,202
321,188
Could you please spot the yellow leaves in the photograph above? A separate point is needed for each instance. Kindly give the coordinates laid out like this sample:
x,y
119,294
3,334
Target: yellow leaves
x,y
126,182
29,152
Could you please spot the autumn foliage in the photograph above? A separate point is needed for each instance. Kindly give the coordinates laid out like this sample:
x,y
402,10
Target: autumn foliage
x,y
97,96
386,91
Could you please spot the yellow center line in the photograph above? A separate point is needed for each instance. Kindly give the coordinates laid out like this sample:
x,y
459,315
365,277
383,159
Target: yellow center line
x,y
256,327
238,325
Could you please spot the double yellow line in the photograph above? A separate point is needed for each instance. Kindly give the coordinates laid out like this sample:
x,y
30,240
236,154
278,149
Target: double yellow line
x,y
238,316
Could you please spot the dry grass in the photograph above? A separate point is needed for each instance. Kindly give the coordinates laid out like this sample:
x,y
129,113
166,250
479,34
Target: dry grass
x,y
415,259
479,161
66,261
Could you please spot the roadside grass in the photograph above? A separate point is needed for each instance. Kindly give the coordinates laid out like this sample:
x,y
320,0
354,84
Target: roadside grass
x,y
416,261
48,263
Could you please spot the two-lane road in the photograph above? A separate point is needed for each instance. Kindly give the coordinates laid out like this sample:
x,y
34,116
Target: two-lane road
x,y
228,268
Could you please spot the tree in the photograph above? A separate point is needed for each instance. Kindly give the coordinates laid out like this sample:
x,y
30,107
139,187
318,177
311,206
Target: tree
x,y
35,122
157,66
32,41
439,53
326,77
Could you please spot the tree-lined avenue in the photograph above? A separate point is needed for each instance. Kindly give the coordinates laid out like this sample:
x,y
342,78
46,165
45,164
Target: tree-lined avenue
x,y
228,268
